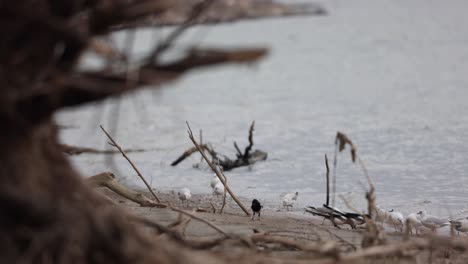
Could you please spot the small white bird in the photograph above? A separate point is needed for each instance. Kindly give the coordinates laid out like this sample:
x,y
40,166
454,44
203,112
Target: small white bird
x,y
396,219
218,189
413,221
291,196
432,222
380,215
214,181
184,195
461,225
289,200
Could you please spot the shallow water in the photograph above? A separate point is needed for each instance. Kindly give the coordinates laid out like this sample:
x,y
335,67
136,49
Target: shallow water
x,y
392,75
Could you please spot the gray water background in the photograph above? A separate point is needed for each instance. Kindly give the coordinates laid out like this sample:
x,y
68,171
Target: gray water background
x,y
392,75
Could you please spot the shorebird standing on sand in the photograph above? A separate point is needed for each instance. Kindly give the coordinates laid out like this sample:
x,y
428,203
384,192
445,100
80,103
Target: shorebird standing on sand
x,y
396,219
256,208
413,220
289,199
432,222
184,195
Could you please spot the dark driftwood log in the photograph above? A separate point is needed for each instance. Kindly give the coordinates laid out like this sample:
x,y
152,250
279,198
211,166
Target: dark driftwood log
x,y
243,159
107,179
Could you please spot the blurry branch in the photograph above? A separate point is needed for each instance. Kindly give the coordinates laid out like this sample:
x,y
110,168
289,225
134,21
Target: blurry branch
x,y
75,150
114,144
218,173
64,90
107,179
197,11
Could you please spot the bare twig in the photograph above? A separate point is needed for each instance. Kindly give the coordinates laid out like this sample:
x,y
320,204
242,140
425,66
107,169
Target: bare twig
x,y
239,152
196,12
219,174
249,147
114,144
328,180
335,163
224,194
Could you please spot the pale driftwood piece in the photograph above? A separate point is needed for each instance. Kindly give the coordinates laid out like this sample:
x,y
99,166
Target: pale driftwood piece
x,y
76,150
107,179
114,144
220,175
106,199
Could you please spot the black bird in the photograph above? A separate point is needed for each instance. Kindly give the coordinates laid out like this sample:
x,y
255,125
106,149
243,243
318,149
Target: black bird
x,y
256,207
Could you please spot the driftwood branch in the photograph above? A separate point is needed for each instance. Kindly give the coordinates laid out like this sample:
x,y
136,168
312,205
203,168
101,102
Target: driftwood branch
x,y
218,173
249,147
107,179
114,144
78,88
192,150
196,12
243,159
75,150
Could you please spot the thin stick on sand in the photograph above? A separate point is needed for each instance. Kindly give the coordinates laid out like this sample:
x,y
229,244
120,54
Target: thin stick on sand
x,y
218,173
224,194
328,180
114,144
